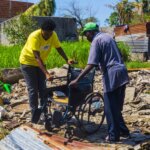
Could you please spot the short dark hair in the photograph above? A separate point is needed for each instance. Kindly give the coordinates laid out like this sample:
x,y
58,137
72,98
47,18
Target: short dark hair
x,y
48,25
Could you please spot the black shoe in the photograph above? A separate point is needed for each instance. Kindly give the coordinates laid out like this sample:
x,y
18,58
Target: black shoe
x,y
125,135
111,140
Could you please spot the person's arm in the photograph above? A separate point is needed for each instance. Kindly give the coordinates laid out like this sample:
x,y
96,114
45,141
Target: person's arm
x,y
41,65
62,53
82,74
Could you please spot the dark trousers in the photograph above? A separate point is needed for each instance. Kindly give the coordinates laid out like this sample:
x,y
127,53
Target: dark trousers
x,y
35,80
113,104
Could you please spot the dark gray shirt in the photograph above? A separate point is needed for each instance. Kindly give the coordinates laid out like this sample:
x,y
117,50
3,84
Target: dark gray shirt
x,y
105,54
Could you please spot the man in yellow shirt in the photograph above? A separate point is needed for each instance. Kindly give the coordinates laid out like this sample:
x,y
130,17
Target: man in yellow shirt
x,y
32,60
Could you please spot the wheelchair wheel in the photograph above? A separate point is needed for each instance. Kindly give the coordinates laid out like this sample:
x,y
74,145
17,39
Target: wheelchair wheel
x,y
91,113
48,125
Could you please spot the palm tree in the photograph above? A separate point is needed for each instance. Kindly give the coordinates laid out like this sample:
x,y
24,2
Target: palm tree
x,y
124,10
145,5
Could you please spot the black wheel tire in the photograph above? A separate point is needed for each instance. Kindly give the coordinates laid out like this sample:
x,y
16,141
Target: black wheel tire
x,y
82,110
48,125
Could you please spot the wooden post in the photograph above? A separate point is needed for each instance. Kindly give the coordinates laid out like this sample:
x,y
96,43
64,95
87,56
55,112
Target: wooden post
x,y
148,35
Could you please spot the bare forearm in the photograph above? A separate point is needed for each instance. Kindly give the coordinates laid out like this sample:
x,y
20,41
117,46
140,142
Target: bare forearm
x,y
42,66
40,62
62,53
84,72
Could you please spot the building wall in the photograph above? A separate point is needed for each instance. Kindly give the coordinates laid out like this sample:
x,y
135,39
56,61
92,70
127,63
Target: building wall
x,y
138,39
11,8
133,29
66,28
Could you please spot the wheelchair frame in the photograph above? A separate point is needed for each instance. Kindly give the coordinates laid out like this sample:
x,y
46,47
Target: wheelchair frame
x,y
56,120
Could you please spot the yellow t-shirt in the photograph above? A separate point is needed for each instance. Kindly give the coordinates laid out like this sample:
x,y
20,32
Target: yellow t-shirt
x,y
36,42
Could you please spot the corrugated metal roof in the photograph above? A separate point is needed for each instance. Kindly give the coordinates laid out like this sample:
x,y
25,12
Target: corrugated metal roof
x,y
140,46
133,29
20,139
27,138
137,42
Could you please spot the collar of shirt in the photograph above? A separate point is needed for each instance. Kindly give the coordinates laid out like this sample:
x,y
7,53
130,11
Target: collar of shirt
x,y
96,34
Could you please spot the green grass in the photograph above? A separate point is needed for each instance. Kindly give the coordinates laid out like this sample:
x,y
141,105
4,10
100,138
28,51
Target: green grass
x,y
9,56
74,50
137,64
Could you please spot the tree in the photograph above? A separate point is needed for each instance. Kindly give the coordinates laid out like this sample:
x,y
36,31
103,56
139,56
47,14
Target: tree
x,y
18,29
43,8
123,11
90,19
113,19
145,5
82,15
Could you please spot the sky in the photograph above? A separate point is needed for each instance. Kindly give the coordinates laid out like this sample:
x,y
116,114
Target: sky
x,y
98,8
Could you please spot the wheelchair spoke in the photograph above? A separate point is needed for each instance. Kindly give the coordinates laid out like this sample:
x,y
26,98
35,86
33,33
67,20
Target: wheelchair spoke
x,y
92,113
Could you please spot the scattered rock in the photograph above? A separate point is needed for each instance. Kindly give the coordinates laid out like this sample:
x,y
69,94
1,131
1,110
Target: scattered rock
x,y
136,107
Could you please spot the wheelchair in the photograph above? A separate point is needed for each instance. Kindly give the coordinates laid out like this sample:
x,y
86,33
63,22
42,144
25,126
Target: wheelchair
x,y
64,103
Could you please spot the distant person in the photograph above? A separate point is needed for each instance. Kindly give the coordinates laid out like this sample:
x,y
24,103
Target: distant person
x,y
105,54
33,57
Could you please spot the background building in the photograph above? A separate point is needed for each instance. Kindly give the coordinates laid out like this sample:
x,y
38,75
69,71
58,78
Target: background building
x,y
11,8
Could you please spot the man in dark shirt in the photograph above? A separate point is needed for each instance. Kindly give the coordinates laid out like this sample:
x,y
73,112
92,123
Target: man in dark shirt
x,y
105,54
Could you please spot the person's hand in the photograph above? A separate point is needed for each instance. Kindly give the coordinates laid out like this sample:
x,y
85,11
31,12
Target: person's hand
x,y
50,76
73,83
71,61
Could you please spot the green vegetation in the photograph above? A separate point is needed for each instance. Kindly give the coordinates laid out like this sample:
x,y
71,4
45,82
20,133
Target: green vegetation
x,y
127,12
125,51
9,56
77,50
138,64
43,8
19,29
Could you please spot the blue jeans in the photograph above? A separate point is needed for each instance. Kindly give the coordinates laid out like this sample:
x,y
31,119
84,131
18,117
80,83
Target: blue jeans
x,y
113,104
35,80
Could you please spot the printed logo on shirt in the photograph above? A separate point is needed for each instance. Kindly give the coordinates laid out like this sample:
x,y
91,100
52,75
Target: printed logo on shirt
x,y
46,47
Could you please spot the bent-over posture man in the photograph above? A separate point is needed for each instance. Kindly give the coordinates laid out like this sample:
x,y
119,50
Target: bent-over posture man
x,y
105,54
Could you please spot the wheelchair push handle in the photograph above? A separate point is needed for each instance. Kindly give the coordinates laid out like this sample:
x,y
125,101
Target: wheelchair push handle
x,y
70,66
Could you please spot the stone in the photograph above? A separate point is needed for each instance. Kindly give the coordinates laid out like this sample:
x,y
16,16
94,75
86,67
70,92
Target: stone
x,y
129,95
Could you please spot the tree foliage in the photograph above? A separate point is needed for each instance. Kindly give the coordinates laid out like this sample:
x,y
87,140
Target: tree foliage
x,y
43,8
77,11
19,28
126,12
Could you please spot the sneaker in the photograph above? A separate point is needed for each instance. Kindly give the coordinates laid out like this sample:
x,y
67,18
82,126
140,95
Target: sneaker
x,y
110,140
42,119
125,135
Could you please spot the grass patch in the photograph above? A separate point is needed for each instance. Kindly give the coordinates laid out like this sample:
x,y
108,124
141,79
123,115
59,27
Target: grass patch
x,y
9,56
137,64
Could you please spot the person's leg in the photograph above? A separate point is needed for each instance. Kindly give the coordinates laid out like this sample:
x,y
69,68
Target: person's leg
x,y
41,86
112,114
123,128
31,79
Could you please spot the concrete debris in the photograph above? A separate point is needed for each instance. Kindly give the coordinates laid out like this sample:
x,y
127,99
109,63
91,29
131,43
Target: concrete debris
x,y
136,109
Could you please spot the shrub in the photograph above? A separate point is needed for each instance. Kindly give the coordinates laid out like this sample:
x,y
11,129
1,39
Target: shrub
x,y
124,50
19,28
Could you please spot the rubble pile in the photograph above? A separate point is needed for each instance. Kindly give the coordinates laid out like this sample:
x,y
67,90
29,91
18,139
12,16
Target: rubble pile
x,y
136,107
137,101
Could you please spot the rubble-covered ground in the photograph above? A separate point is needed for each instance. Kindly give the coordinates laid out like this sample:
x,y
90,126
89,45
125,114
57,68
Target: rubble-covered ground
x,y
136,110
